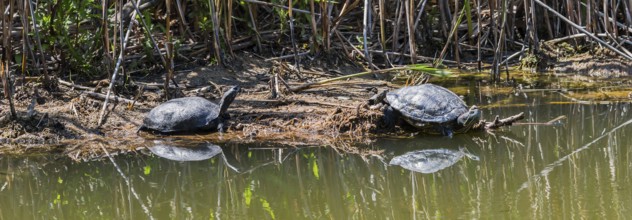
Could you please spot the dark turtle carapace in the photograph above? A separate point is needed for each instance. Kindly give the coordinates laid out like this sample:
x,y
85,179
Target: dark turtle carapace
x,y
189,114
431,108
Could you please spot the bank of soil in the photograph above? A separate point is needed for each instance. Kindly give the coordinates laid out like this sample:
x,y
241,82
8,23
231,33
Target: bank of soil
x,y
65,119
599,63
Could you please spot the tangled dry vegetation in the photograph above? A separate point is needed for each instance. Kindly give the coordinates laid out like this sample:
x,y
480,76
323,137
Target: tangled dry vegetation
x,y
66,120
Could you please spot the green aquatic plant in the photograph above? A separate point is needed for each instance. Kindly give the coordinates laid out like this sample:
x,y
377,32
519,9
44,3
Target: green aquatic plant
x,y
266,206
315,167
247,195
147,170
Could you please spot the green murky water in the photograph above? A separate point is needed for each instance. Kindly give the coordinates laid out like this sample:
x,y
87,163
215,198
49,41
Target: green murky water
x,y
581,169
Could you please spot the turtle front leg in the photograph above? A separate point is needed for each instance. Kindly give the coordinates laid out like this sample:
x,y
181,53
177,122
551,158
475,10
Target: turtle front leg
x,y
391,116
218,124
446,132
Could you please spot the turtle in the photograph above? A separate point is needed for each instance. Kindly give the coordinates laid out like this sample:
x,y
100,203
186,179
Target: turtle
x,y
430,160
430,108
189,114
198,152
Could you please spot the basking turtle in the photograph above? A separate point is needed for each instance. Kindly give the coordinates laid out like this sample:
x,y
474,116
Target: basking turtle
x,y
431,108
430,160
189,114
196,153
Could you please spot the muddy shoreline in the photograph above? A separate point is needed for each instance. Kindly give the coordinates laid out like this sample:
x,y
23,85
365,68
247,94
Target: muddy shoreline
x,y
64,121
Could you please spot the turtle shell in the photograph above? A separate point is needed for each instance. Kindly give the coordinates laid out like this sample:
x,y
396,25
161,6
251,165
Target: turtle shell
x,y
183,114
427,105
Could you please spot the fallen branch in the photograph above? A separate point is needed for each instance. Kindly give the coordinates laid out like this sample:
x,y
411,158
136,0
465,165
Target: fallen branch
x,y
287,56
102,97
154,86
497,123
513,56
69,84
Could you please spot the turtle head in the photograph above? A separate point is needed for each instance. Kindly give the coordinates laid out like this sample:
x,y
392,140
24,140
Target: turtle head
x,y
228,98
469,118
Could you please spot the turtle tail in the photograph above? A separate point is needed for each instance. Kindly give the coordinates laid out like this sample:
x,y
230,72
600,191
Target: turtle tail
x,y
229,97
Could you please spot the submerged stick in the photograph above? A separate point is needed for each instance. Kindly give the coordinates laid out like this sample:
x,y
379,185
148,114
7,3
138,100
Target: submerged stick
x,y
546,170
142,204
548,123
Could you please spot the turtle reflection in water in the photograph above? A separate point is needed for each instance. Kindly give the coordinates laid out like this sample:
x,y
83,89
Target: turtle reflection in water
x,y
430,160
196,153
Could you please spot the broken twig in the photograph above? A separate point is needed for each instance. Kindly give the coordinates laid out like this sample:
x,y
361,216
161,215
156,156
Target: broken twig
x,y
100,96
497,123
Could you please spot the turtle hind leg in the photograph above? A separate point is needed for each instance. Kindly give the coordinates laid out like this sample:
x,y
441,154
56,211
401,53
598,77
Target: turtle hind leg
x,y
221,126
141,128
390,117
